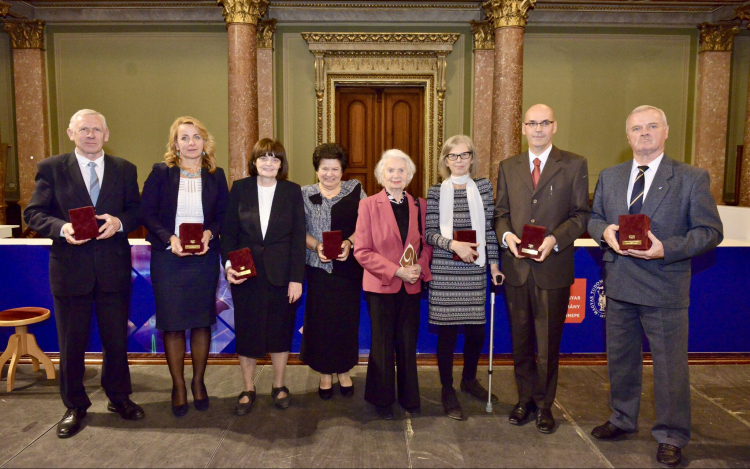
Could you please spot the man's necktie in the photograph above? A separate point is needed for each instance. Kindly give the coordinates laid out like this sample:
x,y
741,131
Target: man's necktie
x,y
93,183
636,197
537,172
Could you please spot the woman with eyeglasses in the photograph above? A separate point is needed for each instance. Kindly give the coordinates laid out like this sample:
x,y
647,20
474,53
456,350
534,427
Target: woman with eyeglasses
x,y
458,290
265,214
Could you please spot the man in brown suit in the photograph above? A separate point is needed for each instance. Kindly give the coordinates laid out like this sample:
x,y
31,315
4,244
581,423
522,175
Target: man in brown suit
x,y
546,187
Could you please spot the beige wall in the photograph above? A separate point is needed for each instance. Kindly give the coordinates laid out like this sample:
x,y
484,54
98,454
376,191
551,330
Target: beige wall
x,y
7,126
593,81
737,105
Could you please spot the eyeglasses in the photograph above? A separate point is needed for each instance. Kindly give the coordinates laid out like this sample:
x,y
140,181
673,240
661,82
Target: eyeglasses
x,y
464,156
533,124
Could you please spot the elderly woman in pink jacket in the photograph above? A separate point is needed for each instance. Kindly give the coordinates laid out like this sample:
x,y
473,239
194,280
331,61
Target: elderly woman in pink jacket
x,y
392,249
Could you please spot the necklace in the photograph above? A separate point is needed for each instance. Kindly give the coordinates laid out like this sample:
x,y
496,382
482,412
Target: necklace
x,y
327,193
191,175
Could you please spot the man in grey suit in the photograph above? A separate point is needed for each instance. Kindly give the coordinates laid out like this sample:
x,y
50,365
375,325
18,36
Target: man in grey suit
x,y
547,187
649,291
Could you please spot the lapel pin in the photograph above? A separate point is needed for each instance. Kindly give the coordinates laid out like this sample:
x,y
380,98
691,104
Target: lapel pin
x,y
659,187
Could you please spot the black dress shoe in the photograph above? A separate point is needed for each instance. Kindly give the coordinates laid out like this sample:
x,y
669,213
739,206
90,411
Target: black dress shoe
x,y
244,408
200,404
475,388
668,455
325,394
127,409
179,410
608,431
385,411
414,410
545,422
451,406
281,402
521,412
70,423
346,391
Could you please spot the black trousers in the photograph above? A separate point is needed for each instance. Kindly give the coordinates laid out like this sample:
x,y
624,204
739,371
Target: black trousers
x,y
536,316
73,318
446,345
395,324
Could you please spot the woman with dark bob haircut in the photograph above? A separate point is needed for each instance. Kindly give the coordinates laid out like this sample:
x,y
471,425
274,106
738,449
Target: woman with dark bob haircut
x,y
265,214
330,339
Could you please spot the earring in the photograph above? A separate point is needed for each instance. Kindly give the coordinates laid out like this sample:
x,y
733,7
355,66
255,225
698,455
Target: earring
x,y
178,153
204,153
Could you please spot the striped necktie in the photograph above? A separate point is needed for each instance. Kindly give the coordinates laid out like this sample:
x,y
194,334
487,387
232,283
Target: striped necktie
x,y
93,183
639,186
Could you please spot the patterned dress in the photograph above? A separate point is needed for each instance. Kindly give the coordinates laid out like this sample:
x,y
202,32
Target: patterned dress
x,y
458,291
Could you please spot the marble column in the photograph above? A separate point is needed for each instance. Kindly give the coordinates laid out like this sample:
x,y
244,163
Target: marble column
x,y
30,86
712,107
266,30
242,18
743,13
508,17
484,57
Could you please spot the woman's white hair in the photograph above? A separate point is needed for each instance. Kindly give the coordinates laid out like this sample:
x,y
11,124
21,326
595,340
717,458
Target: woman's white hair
x,y
86,112
411,168
646,107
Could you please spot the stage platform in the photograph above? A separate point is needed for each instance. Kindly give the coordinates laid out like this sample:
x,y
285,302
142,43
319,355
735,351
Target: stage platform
x,y
345,432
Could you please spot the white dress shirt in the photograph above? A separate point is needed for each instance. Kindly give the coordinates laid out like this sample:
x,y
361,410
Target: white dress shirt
x,y
648,177
83,162
265,200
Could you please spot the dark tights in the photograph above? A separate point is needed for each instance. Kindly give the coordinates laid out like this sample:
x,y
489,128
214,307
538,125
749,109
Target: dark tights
x,y
473,342
174,347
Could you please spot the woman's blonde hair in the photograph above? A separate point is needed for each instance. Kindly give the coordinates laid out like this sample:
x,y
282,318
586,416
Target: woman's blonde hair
x,y
449,145
411,168
209,146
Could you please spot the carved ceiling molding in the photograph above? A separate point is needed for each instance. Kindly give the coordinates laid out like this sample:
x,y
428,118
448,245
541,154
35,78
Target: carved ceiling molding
x,y
4,7
25,34
743,14
266,30
381,38
717,37
243,11
484,35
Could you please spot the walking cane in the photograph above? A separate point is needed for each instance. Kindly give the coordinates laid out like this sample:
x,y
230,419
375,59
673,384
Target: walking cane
x,y
488,409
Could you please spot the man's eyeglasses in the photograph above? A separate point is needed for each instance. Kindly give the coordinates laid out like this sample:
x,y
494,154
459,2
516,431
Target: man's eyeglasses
x,y
454,156
533,124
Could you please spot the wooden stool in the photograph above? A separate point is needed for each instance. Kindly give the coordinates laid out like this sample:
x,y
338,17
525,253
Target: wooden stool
x,y
22,343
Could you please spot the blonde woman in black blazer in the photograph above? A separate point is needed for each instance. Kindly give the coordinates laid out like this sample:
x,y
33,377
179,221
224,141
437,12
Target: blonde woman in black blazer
x,y
265,214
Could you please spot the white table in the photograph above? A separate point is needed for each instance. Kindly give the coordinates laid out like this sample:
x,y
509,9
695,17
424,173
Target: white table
x,y
6,231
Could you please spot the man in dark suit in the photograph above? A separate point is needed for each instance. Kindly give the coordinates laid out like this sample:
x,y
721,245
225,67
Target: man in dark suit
x,y
95,271
649,291
546,187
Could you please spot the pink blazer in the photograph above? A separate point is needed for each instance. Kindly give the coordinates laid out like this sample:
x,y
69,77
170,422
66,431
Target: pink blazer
x,y
378,246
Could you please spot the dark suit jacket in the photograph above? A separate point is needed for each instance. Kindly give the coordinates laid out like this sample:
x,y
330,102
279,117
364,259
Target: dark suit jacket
x,y
281,254
159,204
74,270
560,203
683,217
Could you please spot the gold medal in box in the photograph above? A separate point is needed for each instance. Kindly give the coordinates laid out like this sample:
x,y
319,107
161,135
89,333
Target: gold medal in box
x,y
242,262
191,235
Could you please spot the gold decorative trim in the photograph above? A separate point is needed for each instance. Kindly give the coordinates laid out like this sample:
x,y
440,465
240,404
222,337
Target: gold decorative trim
x,y
130,5
243,11
25,34
508,13
717,37
484,35
380,38
628,9
4,7
743,14
379,6
266,30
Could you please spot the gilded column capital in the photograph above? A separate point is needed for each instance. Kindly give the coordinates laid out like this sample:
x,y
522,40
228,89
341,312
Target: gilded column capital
x,y
266,30
717,37
25,34
508,13
4,7
484,35
743,14
243,11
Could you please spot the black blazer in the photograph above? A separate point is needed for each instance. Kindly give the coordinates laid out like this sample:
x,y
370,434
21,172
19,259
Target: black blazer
x,y
281,255
159,204
74,270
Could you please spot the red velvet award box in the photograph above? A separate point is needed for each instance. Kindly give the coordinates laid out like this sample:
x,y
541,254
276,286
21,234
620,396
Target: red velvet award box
x,y
191,235
633,232
84,223
466,236
531,238
242,262
332,244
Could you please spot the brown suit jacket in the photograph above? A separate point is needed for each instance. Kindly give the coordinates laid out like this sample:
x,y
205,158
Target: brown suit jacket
x,y
560,203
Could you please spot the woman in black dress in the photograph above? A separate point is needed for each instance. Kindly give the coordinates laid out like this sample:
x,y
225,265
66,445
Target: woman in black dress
x,y
330,339
265,214
187,188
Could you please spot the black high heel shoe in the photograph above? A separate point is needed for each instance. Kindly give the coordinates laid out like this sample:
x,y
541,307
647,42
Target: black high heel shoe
x,y
179,410
346,391
200,404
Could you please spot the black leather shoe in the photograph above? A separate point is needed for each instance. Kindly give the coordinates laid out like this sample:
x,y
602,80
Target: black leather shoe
x,y
521,412
545,422
178,410
200,404
346,391
475,388
451,406
325,394
127,409
244,408
281,402
385,411
70,423
668,455
608,431
416,410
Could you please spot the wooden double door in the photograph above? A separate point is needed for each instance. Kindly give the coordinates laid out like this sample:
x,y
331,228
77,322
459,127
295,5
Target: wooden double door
x,y
372,119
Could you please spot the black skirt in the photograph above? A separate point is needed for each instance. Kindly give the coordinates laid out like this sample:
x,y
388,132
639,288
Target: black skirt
x,y
263,317
184,289
330,337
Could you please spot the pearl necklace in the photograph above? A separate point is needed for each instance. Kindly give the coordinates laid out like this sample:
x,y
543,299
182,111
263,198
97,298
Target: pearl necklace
x,y
191,175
